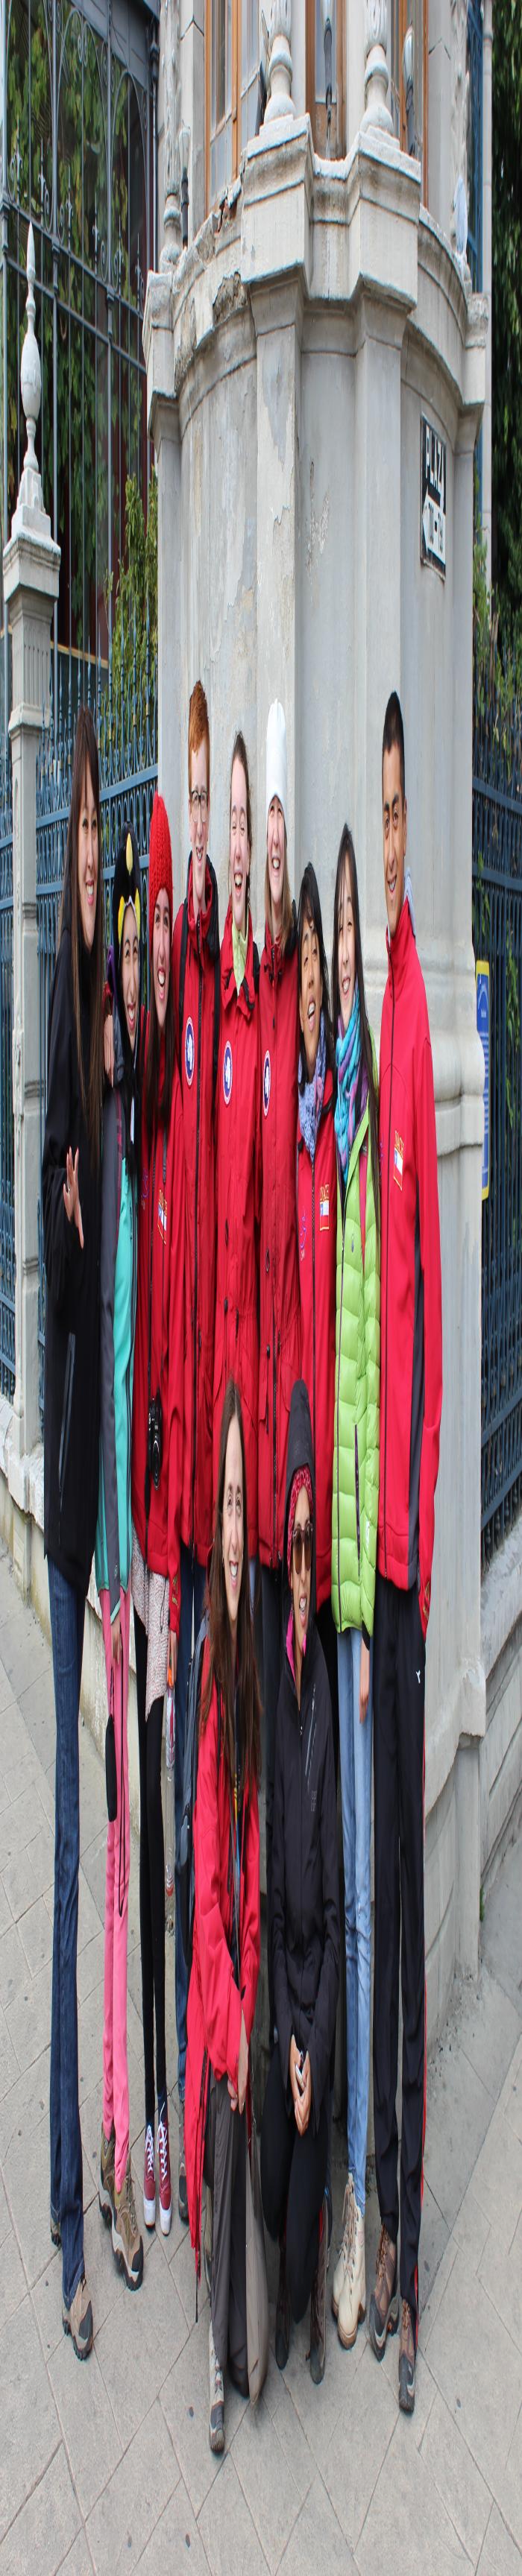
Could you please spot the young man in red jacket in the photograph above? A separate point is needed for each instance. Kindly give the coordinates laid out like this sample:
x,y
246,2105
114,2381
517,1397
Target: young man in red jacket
x,y
195,961
410,1411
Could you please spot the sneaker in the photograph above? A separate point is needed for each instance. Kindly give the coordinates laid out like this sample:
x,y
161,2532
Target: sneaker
x,y
182,2170
384,2303
56,2232
106,2183
216,2409
208,2239
318,2303
77,2320
126,2240
343,2257
407,2361
352,2303
163,2154
149,2179
282,2322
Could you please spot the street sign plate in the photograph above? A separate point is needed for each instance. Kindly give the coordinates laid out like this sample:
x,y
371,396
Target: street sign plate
x,y
433,497
482,980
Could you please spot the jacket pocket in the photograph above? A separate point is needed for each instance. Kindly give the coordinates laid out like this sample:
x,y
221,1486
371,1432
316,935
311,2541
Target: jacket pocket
x,y
66,1416
357,1511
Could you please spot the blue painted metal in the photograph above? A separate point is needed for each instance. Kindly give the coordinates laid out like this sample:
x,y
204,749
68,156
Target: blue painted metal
x,y
7,1233
497,937
475,130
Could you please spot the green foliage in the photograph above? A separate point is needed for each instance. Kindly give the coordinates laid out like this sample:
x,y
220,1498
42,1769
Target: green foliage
x,y
507,317
137,592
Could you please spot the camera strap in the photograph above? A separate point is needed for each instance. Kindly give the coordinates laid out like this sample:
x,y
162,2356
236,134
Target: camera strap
x,y
147,1468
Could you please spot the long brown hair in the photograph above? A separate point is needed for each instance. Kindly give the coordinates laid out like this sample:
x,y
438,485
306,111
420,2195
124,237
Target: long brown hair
x,y
86,758
240,753
347,853
220,1661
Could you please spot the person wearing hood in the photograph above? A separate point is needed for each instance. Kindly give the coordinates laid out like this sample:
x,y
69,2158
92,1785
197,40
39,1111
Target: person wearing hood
x,y
118,1287
305,1926
71,1215
280,1320
238,1147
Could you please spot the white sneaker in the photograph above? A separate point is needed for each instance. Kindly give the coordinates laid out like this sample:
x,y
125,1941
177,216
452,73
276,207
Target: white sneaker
x,y
352,2303
343,2258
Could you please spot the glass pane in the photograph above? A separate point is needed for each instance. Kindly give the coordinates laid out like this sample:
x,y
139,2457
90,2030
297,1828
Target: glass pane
x,y
319,50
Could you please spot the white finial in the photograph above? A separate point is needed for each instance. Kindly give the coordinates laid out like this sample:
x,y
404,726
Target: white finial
x,y
31,387
280,101
377,113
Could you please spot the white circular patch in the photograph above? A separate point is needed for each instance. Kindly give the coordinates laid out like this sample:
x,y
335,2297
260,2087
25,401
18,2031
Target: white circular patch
x,y
189,1052
227,1072
266,1083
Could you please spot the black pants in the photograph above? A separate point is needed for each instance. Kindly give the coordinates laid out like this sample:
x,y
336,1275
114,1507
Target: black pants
x,y
326,1630
224,2170
271,1591
152,1880
398,1758
293,2175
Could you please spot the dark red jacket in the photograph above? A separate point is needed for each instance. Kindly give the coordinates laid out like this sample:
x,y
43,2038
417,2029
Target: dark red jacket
x,y
214,2000
238,1151
411,1300
161,1205
280,1316
196,1073
317,1240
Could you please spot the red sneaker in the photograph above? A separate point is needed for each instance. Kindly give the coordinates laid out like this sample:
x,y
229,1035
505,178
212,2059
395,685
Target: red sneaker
x,y
165,2193
149,2180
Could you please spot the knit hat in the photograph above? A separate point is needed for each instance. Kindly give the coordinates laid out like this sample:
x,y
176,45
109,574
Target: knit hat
x,y
160,861
302,1477
276,778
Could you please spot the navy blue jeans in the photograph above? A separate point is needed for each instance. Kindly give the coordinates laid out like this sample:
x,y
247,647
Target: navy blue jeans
x,y
67,1624
193,1578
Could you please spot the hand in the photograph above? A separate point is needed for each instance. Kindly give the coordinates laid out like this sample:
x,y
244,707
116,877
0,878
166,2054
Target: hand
x,y
294,2066
242,2067
71,1194
304,2100
108,1048
364,1681
116,1639
173,1656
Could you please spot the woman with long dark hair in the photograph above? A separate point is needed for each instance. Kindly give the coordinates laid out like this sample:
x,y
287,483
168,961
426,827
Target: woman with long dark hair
x,y
238,1146
71,1176
226,1949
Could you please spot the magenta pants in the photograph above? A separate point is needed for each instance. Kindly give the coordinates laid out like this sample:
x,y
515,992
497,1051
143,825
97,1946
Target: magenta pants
x,y
115,2068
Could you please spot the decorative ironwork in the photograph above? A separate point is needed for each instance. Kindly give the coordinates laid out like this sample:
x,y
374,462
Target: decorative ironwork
x,y
7,1233
475,50
497,938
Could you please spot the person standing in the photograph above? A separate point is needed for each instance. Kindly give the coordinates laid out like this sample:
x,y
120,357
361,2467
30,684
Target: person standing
x,y
410,1414
238,1149
280,1320
317,1242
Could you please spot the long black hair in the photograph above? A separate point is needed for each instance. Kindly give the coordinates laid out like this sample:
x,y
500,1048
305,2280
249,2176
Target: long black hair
x,y
310,911
220,1661
347,857
85,763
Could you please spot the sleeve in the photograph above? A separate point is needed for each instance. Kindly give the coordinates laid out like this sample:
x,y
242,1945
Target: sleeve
x,y
251,1925
62,1242
283,2008
109,1247
430,1264
372,1351
175,1379
220,1996
175,971
323,2026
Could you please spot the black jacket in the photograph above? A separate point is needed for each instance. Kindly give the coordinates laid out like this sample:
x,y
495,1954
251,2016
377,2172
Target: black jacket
x,y
305,1887
72,1323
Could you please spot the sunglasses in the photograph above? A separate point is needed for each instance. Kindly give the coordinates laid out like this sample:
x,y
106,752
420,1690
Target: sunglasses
x,y
302,1538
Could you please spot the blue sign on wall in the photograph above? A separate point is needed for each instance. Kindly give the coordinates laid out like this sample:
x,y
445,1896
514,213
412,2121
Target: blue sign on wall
x,y
482,977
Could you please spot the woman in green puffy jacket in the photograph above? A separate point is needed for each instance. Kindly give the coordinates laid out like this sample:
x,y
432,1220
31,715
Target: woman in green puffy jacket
x,y
354,1529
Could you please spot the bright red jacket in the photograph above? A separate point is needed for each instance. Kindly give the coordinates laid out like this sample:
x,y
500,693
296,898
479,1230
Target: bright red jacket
x,y
214,2001
411,1299
238,1152
280,1316
196,1073
317,1239
160,1207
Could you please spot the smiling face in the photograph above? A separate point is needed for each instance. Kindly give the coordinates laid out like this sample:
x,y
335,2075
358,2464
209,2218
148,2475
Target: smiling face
x,y
302,1578
275,842
233,1534
239,849
130,971
88,859
394,835
310,993
199,822
161,956
346,949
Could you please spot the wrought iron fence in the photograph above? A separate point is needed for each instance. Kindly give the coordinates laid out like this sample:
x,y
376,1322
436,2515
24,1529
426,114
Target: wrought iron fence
x,y
124,708
7,1235
497,939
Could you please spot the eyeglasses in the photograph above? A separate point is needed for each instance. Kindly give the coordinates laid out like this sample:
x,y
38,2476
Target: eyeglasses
x,y
199,797
302,1538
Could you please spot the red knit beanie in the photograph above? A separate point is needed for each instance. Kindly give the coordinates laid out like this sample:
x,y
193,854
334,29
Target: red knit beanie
x,y
160,861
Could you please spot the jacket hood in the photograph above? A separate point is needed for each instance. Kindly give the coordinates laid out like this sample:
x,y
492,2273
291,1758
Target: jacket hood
x,y
300,1453
209,910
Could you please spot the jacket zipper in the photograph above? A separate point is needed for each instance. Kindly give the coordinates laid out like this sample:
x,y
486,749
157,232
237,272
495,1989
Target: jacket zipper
x,y
357,1499
387,1254
313,1295
338,1384
196,1244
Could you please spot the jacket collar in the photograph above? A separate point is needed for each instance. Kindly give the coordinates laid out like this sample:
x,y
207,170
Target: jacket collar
x,y
273,961
206,929
229,993
399,948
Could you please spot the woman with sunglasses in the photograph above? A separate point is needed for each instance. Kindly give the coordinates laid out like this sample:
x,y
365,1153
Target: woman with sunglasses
x,y
305,1920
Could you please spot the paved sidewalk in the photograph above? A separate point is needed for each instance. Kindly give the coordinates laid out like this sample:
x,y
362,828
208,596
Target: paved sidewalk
x,y
108,2465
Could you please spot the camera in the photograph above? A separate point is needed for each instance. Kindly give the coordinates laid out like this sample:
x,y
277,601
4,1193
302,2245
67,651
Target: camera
x,y
155,1439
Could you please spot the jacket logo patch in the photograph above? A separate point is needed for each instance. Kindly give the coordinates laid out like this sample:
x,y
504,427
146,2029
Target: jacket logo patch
x,y
227,1073
162,1216
266,1083
398,1159
303,1229
324,1207
189,1052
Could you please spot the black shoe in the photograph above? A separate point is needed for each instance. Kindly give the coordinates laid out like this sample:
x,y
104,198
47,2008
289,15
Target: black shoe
x,y
282,2325
406,2362
182,2170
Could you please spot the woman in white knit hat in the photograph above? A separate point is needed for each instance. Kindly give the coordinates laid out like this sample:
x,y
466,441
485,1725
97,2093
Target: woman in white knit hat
x,y
280,1326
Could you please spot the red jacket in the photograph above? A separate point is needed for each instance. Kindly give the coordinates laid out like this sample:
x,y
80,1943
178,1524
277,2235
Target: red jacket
x,y
411,1301
317,1239
196,1072
161,1204
238,1152
280,1319
214,2001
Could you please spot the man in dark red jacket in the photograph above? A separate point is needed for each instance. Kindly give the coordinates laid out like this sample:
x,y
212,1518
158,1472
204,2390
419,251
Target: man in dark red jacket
x,y
410,1411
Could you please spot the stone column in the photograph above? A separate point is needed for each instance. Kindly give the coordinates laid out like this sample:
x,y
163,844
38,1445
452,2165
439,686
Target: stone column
x,y
280,101
31,576
487,266
163,426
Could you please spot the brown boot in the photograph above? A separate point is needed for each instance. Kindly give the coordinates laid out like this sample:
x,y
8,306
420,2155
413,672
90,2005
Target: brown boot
x,y
407,2361
384,2303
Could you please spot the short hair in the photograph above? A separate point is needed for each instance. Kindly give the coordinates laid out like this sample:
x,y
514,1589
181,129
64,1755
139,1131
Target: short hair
x,y
198,729
394,735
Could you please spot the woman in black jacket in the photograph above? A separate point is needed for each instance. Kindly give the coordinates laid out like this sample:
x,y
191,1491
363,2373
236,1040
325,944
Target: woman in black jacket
x,y
71,1210
305,1928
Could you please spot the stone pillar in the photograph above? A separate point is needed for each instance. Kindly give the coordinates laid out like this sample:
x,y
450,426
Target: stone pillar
x,y
276,264
280,101
31,576
487,265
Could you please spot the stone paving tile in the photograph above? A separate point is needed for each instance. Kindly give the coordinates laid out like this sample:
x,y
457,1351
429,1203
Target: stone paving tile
x,y
502,1929
30,2431
14,1831
497,2179
9,2068
36,1935
459,2112
13,1966
269,2486
477,2368
226,2529
87,2421
46,2525
14,2284
184,2399
511,2097
5,2215
29,2019
26,2104
175,2535
26,2176
31,1870
5,1911
145,2330
121,2523
499,2556
407,2524
456,2477
316,2541
500,2273
507,2485
78,2561
351,2462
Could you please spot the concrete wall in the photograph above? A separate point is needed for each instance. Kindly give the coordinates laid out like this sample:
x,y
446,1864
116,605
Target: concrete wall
x,y
501,1751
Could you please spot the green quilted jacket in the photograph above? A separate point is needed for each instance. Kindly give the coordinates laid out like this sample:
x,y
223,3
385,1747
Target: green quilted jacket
x,y
355,1496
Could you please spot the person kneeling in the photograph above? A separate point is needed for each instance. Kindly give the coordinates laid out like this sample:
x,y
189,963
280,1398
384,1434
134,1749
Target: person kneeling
x,y
305,1916
226,1949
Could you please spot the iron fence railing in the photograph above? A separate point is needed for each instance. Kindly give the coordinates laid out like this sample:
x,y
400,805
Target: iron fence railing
x,y
7,1234
497,939
124,708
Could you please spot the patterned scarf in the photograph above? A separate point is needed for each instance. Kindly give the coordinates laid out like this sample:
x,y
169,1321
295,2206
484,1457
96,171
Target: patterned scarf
x,y
347,1057
311,1098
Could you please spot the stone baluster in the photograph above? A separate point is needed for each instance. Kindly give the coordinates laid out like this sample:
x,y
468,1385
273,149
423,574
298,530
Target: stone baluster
x,y
376,114
280,102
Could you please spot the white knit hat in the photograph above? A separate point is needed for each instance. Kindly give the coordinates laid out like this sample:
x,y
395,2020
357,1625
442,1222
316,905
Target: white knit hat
x,y
276,784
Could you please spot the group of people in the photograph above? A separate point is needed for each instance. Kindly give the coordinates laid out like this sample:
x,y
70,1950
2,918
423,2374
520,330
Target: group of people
x,y
244,1365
